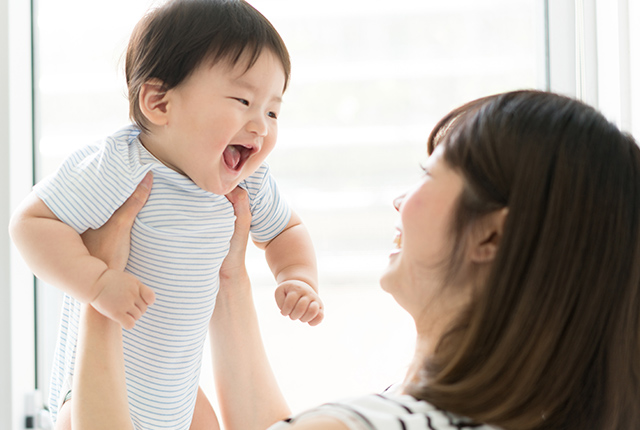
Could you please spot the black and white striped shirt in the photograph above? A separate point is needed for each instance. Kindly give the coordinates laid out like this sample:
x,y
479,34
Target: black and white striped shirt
x,y
387,411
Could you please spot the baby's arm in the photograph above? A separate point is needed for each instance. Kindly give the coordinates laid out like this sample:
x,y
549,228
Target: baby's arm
x,y
292,260
56,254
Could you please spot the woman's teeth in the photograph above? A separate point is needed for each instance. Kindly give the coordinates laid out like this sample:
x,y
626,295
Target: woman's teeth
x,y
397,240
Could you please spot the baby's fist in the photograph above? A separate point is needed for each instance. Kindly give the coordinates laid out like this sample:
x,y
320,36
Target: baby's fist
x,y
298,301
122,298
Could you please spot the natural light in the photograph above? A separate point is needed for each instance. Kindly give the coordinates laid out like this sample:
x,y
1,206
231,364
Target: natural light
x,y
370,78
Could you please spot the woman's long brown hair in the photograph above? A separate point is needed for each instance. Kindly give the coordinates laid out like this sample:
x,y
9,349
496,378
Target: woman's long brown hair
x,y
552,337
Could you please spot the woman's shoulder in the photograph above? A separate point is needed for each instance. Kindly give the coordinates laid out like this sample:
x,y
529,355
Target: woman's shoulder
x,y
388,410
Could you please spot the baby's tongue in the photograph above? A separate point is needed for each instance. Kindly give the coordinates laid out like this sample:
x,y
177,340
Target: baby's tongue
x,y
231,156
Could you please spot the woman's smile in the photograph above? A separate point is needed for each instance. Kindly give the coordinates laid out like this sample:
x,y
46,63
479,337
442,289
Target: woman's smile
x,y
397,241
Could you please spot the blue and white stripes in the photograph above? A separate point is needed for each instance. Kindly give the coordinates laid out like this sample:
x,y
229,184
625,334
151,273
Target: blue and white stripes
x,y
178,243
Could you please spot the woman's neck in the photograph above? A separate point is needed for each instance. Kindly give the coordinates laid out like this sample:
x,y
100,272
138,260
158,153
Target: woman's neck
x,y
426,344
432,324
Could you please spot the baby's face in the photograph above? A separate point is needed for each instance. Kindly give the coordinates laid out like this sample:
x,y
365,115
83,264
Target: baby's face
x,y
222,122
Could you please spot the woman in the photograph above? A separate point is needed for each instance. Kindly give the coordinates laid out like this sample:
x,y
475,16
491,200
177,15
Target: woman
x,y
518,258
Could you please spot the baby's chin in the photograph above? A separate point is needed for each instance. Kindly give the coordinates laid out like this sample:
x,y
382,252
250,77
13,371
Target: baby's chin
x,y
219,189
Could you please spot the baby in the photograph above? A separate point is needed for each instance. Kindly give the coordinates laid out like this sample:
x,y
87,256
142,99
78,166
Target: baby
x,y
205,80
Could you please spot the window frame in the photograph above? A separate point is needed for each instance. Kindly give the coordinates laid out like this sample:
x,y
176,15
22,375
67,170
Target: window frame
x,y
17,327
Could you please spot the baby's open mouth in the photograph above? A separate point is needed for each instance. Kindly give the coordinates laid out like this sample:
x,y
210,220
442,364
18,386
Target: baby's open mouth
x,y
236,155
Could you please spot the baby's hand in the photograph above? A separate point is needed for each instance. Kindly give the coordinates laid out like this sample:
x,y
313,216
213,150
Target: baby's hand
x,y
123,298
298,301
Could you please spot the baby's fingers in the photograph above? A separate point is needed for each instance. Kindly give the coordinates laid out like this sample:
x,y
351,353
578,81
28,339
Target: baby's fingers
x,y
127,321
147,294
317,319
286,301
300,308
135,312
312,311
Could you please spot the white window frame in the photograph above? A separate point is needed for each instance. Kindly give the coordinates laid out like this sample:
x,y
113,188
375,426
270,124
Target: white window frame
x,y
593,55
17,335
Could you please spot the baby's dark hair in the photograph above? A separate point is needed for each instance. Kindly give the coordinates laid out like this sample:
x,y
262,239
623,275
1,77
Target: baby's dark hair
x,y
171,41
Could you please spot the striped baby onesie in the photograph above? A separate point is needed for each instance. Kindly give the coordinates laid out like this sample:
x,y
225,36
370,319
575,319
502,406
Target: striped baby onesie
x,y
178,243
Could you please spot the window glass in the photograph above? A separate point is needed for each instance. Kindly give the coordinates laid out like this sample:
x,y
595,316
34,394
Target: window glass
x,y
370,78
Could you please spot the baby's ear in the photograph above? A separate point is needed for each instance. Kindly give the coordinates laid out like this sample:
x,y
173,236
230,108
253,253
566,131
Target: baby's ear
x,y
487,238
154,101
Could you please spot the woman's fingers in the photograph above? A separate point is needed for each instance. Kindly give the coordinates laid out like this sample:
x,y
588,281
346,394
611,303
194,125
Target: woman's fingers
x,y
240,201
238,245
110,243
127,213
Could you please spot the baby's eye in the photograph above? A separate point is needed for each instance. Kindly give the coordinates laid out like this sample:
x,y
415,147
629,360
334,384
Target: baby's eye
x,y
243,101
272,115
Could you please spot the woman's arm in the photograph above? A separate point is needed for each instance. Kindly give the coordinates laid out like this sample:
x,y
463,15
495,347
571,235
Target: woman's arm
x,y
248,394
319,423
99,389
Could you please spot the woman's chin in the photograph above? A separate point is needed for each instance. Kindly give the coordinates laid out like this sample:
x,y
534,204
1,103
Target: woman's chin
x,y
389,277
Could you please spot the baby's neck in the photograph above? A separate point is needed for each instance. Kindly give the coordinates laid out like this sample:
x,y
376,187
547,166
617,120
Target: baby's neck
x,y
152,144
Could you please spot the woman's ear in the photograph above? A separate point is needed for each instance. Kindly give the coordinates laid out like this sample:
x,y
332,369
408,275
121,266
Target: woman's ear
x,y
154,102
486,241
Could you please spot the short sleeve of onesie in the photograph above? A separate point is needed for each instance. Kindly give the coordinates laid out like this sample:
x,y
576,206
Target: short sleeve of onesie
x,y
92,183
270,213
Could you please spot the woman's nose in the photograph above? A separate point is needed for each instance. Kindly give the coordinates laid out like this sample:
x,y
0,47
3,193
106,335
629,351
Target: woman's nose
x,y
398,201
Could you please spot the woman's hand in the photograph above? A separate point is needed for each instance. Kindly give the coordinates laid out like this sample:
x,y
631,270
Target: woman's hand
x,y
248,394
112,241
99,388
122,296
234,263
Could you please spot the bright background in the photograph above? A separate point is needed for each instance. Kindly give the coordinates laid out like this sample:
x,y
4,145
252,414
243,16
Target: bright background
x,y
370,79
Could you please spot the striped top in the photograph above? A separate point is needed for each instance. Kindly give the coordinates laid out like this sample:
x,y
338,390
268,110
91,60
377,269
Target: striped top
x,y
178,243
387,411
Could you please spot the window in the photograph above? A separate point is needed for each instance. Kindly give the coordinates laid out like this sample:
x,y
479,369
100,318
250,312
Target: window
x,y
370,79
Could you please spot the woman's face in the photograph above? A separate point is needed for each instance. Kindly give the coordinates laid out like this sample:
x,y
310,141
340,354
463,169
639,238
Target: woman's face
x,y
423,241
